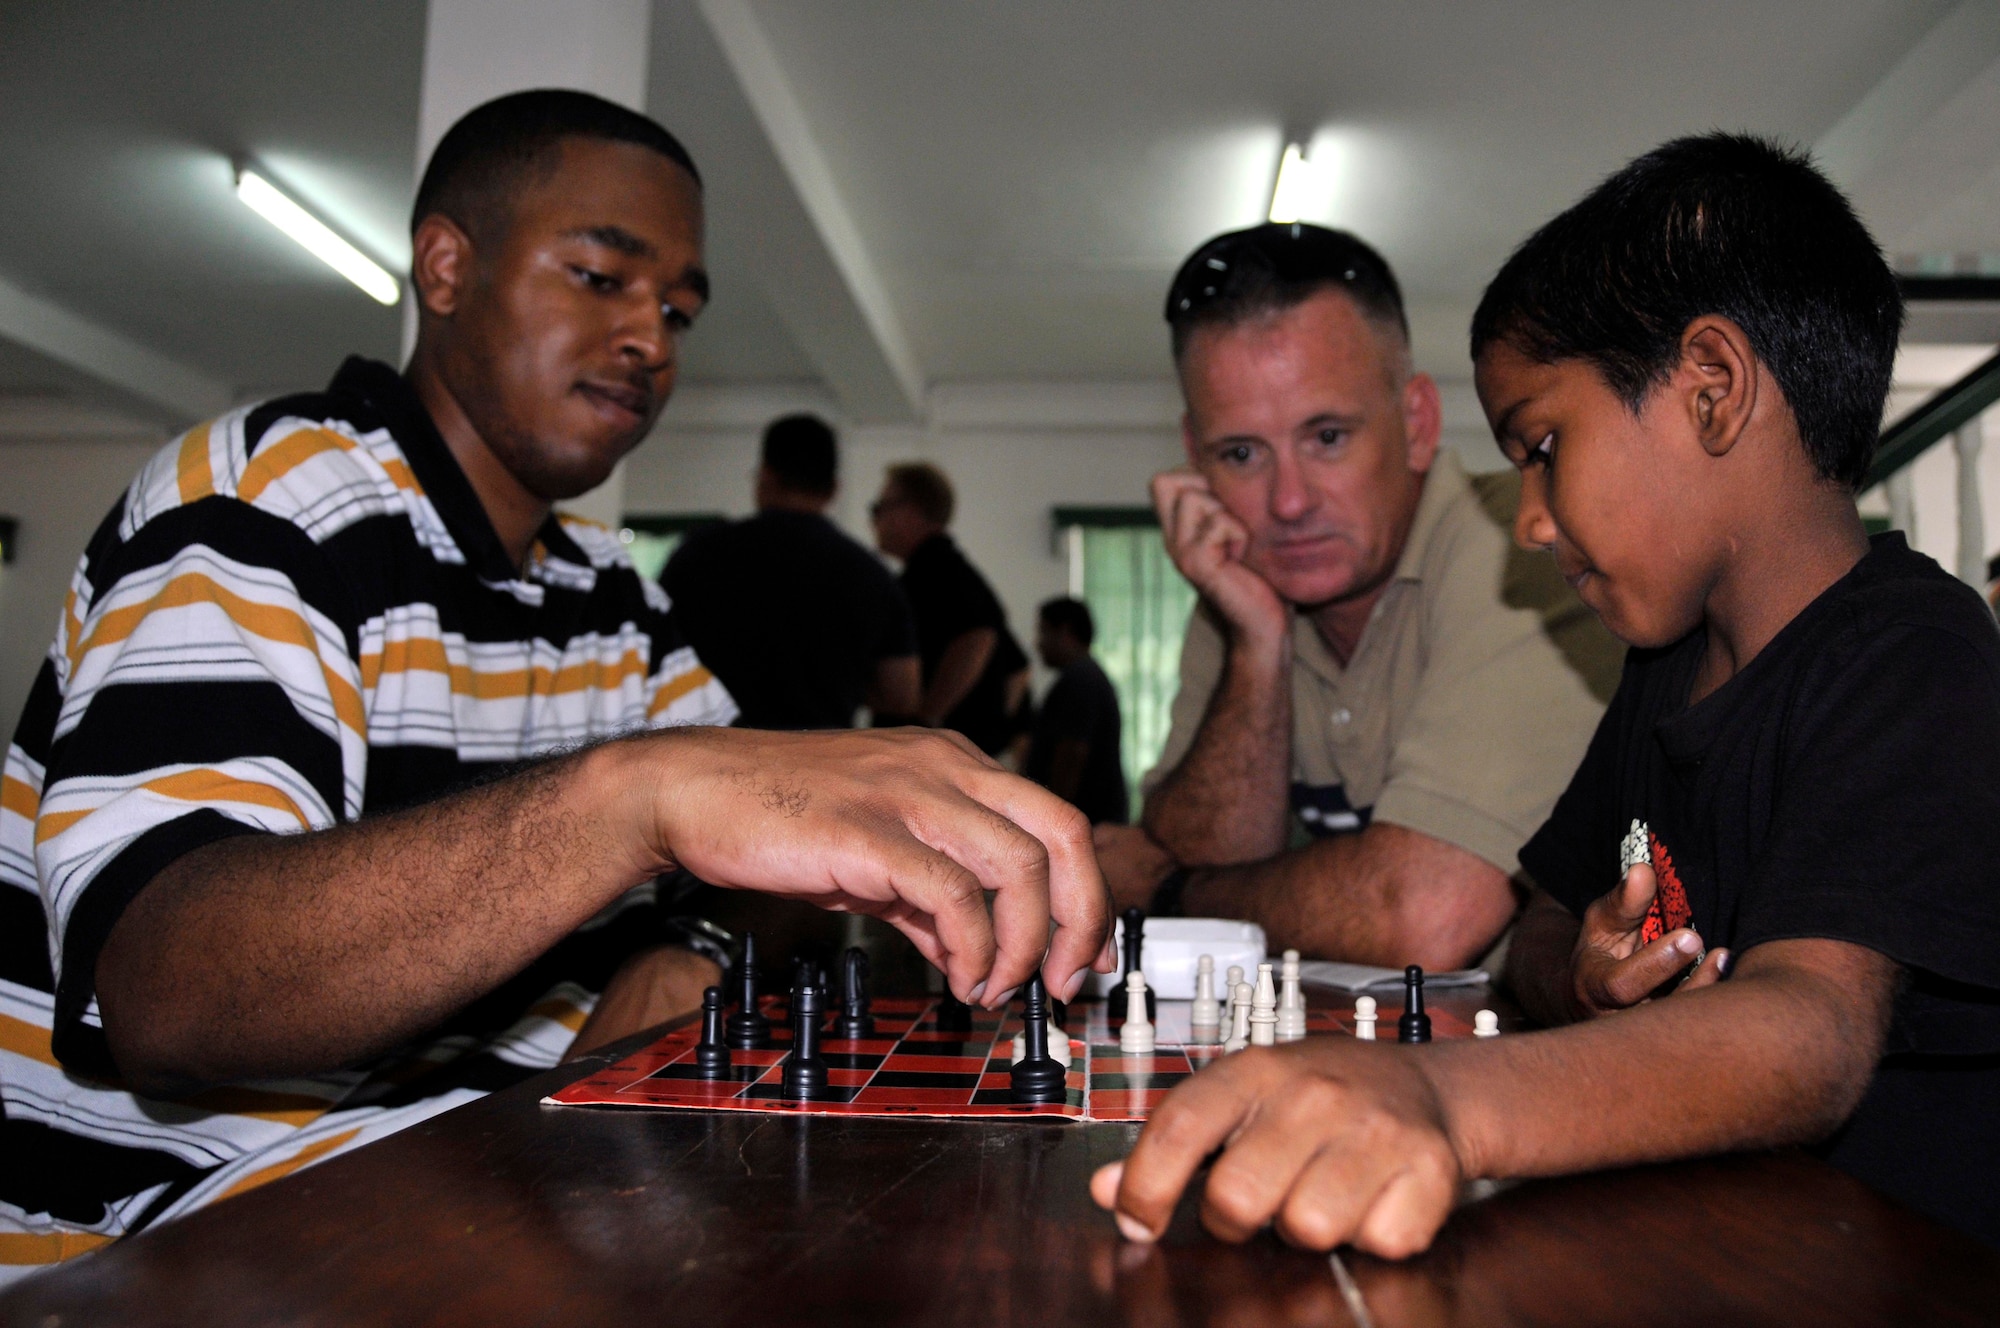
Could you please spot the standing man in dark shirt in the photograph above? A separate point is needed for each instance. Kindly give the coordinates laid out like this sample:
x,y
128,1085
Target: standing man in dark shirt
x,y
1074,751
801,623
970,659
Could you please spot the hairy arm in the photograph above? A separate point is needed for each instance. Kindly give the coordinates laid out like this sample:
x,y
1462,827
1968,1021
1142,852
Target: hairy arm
x,y
1343,1141
1226,801
896,691
268,955
1388,895
958,670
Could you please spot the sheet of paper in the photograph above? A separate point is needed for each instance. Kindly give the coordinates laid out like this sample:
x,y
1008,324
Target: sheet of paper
x,y
1366,977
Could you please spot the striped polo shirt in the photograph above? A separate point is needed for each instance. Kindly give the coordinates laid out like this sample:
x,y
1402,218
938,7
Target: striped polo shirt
x,y
297,615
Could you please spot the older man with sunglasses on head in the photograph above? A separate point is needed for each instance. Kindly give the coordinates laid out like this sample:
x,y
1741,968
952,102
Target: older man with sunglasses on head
x,y
1380,698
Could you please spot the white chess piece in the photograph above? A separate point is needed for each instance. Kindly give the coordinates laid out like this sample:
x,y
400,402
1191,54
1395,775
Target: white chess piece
x,y
1229,986
1058,1043
1135,1038
1486,1024
1364,1018
1205,1015
1264,1009
1239,1019
1020,1048
1291,1001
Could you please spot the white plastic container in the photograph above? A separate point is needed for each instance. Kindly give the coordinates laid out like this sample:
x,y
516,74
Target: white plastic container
x,y
1171,947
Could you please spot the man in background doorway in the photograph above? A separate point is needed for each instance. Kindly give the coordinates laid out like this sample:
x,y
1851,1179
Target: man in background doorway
x,y
1074,750
974,671
1380,697
802,624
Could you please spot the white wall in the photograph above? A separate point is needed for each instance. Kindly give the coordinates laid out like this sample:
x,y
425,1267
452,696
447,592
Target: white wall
x,y
59,489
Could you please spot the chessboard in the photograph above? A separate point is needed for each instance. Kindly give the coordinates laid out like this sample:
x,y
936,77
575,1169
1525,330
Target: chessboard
x,y
913,1066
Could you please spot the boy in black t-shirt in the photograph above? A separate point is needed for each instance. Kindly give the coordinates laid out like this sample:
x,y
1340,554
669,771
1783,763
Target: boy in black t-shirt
x,y
1775,858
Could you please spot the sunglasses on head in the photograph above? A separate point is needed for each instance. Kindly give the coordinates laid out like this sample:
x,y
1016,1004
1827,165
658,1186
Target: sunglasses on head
x,y
1290,252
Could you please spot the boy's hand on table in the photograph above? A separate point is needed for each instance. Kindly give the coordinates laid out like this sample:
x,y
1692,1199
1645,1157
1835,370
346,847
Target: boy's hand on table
x,y
1333,1142
1610,970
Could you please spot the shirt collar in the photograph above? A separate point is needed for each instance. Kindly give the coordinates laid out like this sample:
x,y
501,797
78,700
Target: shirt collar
x,y
1443,486
388,396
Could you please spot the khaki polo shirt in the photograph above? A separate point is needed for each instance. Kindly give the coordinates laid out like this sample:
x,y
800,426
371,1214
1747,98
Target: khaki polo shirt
x,y
1470,697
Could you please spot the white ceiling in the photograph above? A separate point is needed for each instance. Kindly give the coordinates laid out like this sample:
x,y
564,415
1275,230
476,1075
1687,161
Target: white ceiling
x,y
908,193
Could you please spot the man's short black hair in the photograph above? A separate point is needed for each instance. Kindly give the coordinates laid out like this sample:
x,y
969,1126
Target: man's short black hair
x,y
801,454
924,487
483,161
1717,224
1247,274
1072,616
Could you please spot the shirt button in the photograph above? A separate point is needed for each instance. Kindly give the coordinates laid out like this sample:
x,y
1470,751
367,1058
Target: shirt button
x,y
1341,716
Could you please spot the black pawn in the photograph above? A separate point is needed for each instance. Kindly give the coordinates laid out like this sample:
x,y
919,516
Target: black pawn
x,y
1415,1025
1037,1076
855,1021
805,1072
748,1029
953,1015
1135,946
711,1056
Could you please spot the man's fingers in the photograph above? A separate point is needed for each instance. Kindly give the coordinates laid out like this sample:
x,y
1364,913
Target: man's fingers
x,y
1407,1212
1632,979
1186,1128
934,881
1634,895
1256,1176
1071,890
1713,968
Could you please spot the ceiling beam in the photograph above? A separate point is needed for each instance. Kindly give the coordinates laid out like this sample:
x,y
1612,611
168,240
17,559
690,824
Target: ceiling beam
x,y
775,208
1954,52
163,387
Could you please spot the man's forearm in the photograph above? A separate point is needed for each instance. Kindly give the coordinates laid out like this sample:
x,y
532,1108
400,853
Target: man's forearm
x,y
1779,1054
958,671
1226,802
1389,895
1538,960
266,955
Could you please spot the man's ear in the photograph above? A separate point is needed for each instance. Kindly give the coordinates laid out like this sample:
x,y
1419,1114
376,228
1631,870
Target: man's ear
x,y
441,261
1423,422
1718,381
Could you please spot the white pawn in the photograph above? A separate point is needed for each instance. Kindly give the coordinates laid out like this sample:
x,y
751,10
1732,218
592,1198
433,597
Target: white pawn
x,y
1205,1016
1058,1043
1264,1010
1136,1037
1364,1018
1486,1024
1291,1001
1239,1018
1229,986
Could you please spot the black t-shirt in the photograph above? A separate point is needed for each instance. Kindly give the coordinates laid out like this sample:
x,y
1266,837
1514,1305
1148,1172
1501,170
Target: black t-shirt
x,y
1084,706
791,614
950,598
1845,784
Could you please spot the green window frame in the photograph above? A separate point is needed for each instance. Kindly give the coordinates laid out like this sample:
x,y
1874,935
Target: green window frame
x,y
1140,603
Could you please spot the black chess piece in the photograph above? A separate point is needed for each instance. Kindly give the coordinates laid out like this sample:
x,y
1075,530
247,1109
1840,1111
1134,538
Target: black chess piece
x,y
748,1029
953,1015
1415,1025
1135,947
711,1054
1037,1076
805,1072
855,1020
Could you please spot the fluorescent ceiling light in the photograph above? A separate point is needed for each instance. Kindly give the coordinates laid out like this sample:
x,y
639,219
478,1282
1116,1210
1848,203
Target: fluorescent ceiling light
x,y
316,236
1304,188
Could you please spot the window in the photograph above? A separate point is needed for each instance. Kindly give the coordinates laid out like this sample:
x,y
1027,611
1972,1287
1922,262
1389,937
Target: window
x,y
1118,565
651,539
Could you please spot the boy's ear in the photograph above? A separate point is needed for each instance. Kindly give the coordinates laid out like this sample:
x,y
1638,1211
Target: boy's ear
x,y
441,264
1719,381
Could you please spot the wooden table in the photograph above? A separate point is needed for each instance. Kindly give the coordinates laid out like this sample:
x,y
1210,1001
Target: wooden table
x,y
507,1212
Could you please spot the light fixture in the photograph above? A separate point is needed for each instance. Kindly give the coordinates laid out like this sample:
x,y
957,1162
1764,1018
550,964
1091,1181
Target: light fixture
x,y
1304,187
315,236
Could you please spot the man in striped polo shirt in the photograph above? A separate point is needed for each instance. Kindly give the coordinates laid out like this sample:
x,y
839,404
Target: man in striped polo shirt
x,y
279,871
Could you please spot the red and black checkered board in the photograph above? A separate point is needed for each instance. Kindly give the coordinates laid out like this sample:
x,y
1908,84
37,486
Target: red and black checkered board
x,y
914,1068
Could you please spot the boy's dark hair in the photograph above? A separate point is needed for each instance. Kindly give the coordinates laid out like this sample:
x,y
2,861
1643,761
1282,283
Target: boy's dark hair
x,y
801,454
1717,224
1072,616
1268,269
925,488
484,159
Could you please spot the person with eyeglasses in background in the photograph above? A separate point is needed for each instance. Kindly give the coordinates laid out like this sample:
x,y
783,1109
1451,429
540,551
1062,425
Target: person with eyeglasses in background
x,y
1380,697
